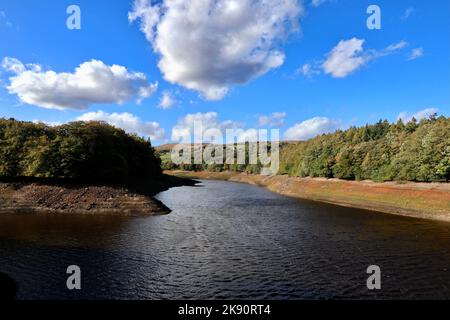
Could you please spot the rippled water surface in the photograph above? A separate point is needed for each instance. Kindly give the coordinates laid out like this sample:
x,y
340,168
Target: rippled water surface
x,y
228,240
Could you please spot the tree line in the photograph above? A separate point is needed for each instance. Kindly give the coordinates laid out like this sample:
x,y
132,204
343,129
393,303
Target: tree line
x,y
87,151
413,151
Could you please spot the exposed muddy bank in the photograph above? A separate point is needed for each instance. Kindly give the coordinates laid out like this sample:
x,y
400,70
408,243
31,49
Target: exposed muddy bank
x,y
420,200
78,198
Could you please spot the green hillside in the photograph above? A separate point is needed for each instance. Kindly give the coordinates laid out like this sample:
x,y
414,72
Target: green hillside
x,y
415,151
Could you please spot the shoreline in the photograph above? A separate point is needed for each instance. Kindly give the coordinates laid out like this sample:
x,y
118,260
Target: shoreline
x,y
418,200
47,197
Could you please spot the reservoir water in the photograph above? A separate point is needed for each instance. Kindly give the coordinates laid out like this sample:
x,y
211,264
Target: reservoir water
x,y
226,240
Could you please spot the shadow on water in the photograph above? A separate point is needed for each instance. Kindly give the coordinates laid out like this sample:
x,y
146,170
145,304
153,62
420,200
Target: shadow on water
x,y
143,187
8,288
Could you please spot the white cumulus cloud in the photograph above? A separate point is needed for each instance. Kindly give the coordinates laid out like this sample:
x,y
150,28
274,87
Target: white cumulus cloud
x,y
196,124
309,70
419,115
92,82
128,122
276,119
345,58
210,45
310,128
349,55
167,101
48,123
203,126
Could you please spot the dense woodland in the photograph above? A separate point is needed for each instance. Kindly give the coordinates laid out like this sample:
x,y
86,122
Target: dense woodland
x,y
87,151
415,151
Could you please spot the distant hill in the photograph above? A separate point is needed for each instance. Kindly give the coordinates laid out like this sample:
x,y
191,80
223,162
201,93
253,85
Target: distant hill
x,y
169,146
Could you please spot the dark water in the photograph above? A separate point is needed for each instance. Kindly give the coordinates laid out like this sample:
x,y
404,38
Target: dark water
x,y
228,240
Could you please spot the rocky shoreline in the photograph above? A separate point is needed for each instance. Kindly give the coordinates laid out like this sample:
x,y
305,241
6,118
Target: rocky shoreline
x,y
72,198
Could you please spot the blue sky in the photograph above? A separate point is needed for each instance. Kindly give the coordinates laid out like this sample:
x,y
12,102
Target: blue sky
x,y
233,69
